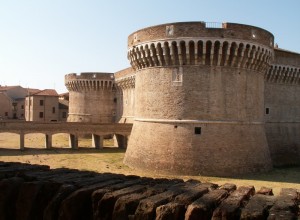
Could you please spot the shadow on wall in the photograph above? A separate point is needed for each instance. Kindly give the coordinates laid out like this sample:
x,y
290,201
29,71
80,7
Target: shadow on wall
x,y
80,150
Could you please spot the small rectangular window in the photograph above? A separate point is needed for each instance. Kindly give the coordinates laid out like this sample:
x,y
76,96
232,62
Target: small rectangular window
x,y
267,111
64,114
197,130
53,110
6,113
41,114
41,102
22,106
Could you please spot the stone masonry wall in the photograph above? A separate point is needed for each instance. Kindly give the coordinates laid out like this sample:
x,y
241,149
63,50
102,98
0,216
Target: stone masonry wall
x,y
199,98
196,29
36,192
91,97
282,108
125,80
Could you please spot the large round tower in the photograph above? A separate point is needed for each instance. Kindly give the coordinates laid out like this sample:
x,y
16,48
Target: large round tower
x,y
92,97
199,106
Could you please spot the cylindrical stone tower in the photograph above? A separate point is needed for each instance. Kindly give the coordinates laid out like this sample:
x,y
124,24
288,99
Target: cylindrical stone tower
x,y
125,81
199,106
92,97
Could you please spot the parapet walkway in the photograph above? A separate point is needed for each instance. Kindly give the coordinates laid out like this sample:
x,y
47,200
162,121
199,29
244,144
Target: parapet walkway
x,y
74,129
37,192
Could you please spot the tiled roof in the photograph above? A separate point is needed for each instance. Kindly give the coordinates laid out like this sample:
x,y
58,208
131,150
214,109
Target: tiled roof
x,y
46,92
32,91
5,88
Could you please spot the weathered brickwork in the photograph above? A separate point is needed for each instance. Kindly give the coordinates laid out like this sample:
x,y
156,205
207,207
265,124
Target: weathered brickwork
x,y
282,108
125,81
199,99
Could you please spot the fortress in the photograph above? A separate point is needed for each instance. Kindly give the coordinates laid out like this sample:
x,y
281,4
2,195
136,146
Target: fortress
x,y
204,99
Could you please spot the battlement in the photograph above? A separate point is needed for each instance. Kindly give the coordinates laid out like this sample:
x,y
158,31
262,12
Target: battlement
x,y
195,43
125,78
89,81
285,68
283,74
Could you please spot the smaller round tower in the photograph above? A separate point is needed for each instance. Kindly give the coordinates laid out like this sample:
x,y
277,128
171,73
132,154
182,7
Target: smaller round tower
x,y
92,97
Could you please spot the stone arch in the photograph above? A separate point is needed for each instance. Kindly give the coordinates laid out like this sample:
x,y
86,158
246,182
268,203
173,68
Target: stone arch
x,y
224,53
259,59
286,75
232,54
251,56
160,54
34,139
138,57
60,140
174,53
6,138
277,73
263,64
182,53
216,53
191,52
240,54
246,56
199,51
148,55
208,52
154,54
141,56
144,58
166,53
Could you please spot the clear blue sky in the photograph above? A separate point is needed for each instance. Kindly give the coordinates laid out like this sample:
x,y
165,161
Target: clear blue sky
x,y
42,40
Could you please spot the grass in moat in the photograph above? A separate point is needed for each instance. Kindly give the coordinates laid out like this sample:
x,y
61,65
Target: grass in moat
x,y
110,159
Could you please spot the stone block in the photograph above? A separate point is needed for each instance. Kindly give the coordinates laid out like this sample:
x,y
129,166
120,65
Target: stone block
x,y
203,207
258,207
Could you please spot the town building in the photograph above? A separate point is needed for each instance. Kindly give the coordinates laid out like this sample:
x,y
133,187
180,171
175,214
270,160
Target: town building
x,y
12,102
42,106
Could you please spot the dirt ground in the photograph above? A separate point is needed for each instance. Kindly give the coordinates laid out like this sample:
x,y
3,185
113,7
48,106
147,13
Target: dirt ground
x,y
110,159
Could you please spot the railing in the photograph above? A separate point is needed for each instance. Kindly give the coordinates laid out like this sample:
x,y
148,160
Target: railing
x,y
214,25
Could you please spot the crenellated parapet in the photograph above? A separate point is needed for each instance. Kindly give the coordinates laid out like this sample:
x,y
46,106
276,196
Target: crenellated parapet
x,y
285,69
125,79
198,43
126,82
283,74
91,81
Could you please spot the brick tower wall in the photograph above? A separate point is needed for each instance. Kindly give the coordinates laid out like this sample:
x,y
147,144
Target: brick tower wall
x,y
125,81
92,97
199,103
282,108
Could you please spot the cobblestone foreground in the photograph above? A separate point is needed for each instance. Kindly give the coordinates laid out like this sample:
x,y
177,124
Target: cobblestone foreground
x,y
38,192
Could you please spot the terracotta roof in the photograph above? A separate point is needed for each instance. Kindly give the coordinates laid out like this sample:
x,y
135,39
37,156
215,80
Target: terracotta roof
x,y
47,92
5,88
32,91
